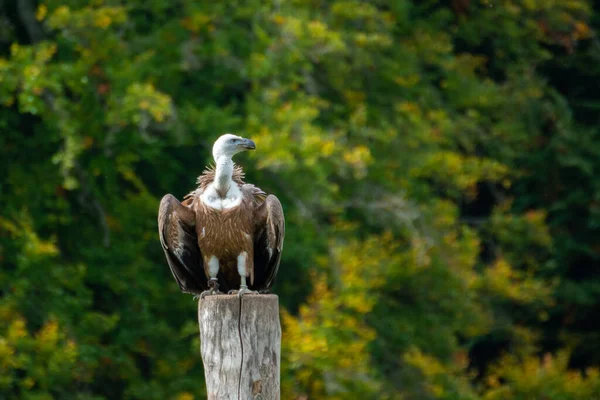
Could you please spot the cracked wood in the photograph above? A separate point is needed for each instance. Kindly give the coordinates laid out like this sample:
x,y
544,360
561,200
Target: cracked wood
x,y
240,343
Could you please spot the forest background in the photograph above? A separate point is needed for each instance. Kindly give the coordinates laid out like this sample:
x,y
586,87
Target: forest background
x,y
437,162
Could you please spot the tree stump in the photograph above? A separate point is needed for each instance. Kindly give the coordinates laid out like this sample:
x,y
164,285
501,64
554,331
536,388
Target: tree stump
x,y
240,343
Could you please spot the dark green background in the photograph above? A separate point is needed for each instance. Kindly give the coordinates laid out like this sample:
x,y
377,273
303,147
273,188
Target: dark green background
x,y
437,162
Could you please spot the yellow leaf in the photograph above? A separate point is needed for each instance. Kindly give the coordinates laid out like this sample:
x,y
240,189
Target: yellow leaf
x,y
41,13
185,396
103,21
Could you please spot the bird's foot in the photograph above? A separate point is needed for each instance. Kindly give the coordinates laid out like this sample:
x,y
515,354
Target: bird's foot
x,y
209,292
243,290
213,289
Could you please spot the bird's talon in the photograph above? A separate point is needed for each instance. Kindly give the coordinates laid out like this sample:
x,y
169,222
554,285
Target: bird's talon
x,y
244,290
205,293
213,289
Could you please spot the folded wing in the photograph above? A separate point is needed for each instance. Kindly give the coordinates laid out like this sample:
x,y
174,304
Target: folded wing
x,y
268,241
176,228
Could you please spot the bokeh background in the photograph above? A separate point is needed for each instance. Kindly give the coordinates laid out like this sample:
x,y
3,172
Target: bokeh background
x,y
436,160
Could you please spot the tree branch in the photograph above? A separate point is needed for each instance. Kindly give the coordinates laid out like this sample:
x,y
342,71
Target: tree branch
x,y
26,10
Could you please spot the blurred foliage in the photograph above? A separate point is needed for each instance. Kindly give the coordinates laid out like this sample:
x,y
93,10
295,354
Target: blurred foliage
x,y
436,160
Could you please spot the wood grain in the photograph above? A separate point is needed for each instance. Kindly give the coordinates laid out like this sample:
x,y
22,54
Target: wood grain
x,y
240,343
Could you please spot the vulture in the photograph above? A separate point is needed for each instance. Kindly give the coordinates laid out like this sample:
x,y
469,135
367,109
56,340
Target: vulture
x,y
227,234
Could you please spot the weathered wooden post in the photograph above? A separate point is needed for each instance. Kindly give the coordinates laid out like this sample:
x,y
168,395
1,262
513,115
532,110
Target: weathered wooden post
x,y
240,343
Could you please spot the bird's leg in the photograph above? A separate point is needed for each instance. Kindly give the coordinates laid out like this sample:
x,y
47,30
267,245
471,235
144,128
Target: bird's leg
x,y
244,288
243,271
213,288
213,284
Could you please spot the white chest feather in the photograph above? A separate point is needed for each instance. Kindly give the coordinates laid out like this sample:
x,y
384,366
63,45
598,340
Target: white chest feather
x,y
211,198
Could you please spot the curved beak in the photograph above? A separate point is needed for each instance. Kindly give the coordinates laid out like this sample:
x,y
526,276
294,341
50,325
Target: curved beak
x,y
247,144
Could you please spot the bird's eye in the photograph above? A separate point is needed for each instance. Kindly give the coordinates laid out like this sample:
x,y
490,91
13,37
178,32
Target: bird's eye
x,y
232,140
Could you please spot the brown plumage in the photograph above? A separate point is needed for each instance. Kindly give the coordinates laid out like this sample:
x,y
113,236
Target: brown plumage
x,y
193,232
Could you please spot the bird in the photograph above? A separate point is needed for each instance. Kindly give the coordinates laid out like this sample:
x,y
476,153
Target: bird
x,y
226,234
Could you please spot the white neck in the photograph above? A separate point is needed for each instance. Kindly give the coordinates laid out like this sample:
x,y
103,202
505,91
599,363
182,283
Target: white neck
x,y
223,174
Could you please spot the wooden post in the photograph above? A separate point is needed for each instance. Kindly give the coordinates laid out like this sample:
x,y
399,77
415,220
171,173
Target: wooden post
x,y
240,343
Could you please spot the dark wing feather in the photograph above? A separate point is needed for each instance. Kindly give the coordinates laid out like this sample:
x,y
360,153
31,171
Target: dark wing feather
x,y
176,228
268,240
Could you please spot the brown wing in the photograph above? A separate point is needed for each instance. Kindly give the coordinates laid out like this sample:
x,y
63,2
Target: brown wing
x,y
268,240
176,229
